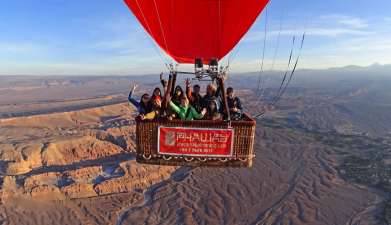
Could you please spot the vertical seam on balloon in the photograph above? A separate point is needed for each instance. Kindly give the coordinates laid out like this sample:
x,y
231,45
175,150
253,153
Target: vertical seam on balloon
x,y
219,44
151,33
172,17
145,20
161,26
234,51
232,56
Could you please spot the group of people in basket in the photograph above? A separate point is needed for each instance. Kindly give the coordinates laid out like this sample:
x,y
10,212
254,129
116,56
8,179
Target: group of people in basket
x,y
188,104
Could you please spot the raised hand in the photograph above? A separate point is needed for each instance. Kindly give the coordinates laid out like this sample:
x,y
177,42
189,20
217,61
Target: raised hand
x,y
168,98
133,87
224,76
163,81
203,112
187,82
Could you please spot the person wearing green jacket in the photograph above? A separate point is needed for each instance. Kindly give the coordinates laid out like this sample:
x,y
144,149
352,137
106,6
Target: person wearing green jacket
x,y
185,111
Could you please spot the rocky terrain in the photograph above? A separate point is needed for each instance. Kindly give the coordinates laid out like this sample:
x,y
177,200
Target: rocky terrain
x,y
53,165
320,160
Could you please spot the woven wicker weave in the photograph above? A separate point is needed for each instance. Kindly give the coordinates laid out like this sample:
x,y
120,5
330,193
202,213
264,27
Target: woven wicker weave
x,y
147,139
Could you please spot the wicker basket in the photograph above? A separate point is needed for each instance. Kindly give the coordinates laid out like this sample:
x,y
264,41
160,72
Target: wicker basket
x,y
147,139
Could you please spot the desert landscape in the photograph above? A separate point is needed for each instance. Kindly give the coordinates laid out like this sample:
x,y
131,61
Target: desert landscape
x,y
322,155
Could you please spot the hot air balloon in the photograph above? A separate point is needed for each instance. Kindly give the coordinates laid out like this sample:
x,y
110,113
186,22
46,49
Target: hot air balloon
x,y
199,32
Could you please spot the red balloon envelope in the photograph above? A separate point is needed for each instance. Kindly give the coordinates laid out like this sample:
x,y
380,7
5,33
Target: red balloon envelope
x,y
189,29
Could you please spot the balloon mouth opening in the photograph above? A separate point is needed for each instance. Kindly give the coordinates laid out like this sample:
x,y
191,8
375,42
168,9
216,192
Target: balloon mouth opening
x,y
199,63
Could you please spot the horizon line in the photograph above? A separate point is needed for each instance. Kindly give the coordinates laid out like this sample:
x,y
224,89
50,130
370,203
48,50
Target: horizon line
x,y
152,74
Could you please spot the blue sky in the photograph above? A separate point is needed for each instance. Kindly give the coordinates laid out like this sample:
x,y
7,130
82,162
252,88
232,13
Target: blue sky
x,y
101,37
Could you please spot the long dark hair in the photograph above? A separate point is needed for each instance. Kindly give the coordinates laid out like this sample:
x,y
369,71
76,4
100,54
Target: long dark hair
x,y
147,105
216,109
180,88
153,93
215,114
177,98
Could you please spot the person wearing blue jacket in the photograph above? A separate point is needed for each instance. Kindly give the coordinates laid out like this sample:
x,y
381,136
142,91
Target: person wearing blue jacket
x,y
234,105
143,106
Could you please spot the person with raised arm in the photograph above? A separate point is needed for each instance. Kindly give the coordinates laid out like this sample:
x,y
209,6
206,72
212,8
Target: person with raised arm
x,y
144,105
185,111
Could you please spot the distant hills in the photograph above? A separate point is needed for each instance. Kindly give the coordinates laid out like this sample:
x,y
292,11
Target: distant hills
x,y
372,71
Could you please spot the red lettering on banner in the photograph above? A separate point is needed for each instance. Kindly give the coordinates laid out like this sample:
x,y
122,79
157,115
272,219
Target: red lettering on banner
x,y
195,141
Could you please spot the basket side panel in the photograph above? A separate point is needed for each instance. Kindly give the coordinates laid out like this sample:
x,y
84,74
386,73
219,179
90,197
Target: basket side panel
x,y
147,139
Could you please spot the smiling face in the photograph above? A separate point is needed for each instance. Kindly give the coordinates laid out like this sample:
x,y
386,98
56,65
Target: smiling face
x,y
178,91
157,92
145,99
212,106
196,89
230,92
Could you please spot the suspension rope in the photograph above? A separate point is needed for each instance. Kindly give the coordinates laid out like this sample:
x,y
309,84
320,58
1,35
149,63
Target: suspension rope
x,y
283,86
154,45
263,50
282,92
297,61
277,47
287,68
282,82
264,85
278,41
234,53
295,66
260,82
161,26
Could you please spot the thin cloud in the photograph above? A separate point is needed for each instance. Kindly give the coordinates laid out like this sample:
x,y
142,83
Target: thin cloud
x,y
364,50
312,31
348,21
369,45
331,26
21,48
326,32
354,23
352,41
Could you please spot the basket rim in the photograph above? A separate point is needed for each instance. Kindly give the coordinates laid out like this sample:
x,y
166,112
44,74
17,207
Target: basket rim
x,y
249,121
